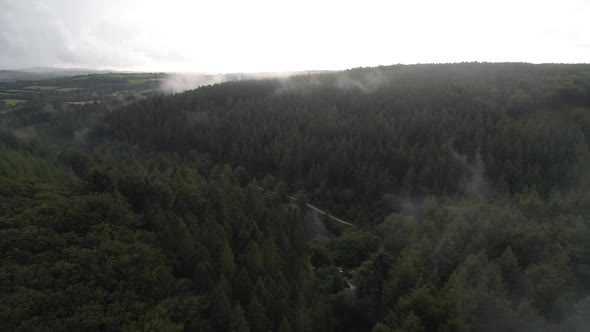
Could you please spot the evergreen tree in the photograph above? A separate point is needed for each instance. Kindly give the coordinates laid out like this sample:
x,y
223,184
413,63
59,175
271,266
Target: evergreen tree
x,y
238,322
257,317
221,310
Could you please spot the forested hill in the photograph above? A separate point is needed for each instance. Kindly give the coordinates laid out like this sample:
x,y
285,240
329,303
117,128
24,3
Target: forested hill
x,y
129,241
469,185
475,178
358,140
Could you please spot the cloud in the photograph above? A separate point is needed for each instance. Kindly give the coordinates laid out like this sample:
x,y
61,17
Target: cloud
x,y
179,82
36,33
476,183
77,34
264,35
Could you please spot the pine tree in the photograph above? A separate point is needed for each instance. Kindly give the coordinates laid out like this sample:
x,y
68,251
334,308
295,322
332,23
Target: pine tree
x,y
254,261
221,310
227,265
257,317
242,287
238,321
203,278
380,327
511,271
285,326
445,257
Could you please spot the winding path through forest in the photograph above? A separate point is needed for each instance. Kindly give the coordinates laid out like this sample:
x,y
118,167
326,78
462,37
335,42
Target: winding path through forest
x,y
325,213
320,211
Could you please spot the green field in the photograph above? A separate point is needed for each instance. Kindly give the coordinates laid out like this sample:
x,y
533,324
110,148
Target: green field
x,y
67,89
12,102
137,80
42,87
50,88
77,90
129,75
83,102
115,75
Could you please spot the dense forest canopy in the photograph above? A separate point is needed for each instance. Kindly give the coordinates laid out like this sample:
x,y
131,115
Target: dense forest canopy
x,y
468,185
357,137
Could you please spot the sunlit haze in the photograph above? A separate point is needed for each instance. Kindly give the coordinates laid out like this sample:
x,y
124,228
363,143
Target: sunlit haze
x,y
255,36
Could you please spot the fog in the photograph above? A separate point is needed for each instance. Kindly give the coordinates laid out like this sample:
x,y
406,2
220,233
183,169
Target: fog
x,y
178,82
475,182
316,226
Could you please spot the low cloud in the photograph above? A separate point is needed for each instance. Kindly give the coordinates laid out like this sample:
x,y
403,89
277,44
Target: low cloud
x,y
476,183
367,81
178,82
181,82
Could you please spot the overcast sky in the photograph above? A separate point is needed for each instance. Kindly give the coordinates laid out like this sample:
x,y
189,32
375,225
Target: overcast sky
x,y
253,35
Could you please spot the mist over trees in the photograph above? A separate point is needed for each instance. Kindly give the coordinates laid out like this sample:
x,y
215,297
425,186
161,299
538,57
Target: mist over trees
x,y
423,130
469,185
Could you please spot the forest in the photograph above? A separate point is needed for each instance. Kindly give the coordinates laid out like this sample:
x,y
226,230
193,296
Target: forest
x,y
467,186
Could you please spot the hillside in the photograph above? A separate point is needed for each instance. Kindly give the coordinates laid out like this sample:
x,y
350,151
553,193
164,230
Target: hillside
x,y
401,130
40,73
467,187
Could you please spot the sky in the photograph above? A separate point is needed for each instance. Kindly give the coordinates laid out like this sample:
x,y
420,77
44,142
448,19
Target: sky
x,y
259,36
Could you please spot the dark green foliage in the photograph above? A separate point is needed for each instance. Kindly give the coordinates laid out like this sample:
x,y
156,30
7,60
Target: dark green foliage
x,y
153,249
320,255
360,140
469,186
352,248
257,317
221,310
238,322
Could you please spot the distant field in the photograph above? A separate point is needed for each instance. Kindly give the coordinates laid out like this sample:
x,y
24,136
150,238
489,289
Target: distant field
x,y
114,75
83,102
42,87
67,89
77,90
129,75
12,102
50,88
137,80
